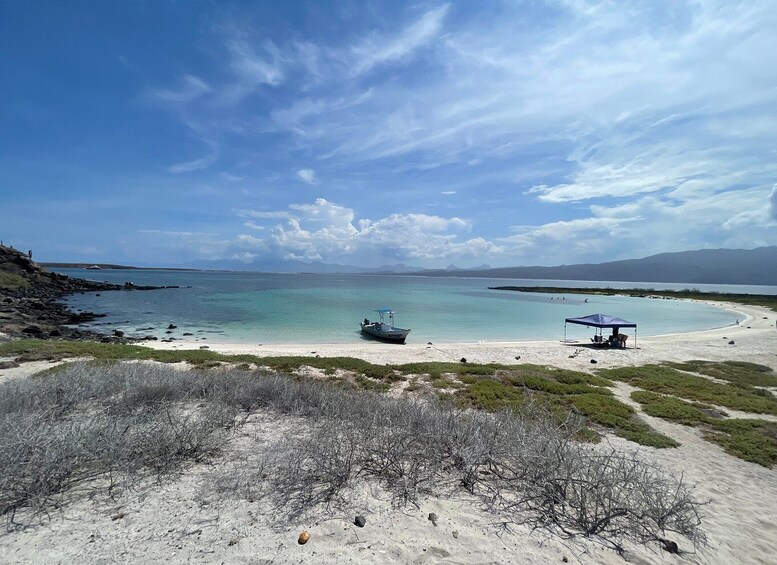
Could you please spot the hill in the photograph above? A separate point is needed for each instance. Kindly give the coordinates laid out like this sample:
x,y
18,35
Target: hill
x,y
710,266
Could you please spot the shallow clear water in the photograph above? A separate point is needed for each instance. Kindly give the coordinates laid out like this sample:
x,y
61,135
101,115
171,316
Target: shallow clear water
x,y
309,308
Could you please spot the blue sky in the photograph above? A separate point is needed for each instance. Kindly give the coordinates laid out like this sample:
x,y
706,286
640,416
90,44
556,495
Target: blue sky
x,y
373,133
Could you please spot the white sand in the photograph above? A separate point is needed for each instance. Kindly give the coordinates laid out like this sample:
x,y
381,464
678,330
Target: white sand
x,y
168,524
756,343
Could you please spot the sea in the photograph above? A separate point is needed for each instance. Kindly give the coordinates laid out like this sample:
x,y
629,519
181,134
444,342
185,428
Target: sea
x,y
268,308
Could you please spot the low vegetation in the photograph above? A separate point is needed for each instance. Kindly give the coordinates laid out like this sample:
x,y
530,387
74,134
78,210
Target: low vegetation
x,y
104,425
12,280
749,439
684,397
561,391
737,395
738,372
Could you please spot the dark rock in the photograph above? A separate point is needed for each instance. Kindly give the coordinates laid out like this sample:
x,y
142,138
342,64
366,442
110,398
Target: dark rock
x,y
517,357
171,327
118,333
429,343
594,361
360,521
463,359
169,331
55,333
455,534
731,342
8,365
188,333
433,518
670,546
106,340
201,346
33,330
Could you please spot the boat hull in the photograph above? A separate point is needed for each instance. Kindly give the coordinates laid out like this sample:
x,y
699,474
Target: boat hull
x,y
390,335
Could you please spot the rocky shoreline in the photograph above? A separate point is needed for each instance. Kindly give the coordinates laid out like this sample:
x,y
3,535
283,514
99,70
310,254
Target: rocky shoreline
x,y
30,300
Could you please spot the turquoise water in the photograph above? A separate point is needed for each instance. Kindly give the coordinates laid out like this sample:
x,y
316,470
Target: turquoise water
x,y
309,308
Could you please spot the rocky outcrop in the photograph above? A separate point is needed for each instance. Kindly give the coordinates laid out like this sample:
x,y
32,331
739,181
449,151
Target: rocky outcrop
x,y
29,299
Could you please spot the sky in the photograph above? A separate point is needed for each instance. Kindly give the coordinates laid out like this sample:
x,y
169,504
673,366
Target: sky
x,y
195,133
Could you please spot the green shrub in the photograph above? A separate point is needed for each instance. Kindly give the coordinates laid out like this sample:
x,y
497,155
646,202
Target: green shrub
x,y
666,380
739,372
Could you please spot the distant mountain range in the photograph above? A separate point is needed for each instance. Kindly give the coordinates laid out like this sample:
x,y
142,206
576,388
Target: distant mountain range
x,y
711,266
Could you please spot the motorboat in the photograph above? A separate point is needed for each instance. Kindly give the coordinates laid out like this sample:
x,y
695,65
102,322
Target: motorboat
x,y
384,330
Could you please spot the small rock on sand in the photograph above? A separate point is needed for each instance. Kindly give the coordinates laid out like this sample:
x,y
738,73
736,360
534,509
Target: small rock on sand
x,y
433,518
360,521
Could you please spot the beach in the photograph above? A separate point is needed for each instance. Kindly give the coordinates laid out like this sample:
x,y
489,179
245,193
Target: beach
x,y
171,522
755,340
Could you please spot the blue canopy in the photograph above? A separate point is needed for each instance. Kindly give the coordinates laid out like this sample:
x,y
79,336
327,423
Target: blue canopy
x,y
602,321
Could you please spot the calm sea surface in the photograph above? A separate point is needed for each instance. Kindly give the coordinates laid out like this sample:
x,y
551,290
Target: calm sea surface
x,y
308,308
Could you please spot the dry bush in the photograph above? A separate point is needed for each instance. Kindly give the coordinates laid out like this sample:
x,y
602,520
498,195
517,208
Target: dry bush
x,y
127,420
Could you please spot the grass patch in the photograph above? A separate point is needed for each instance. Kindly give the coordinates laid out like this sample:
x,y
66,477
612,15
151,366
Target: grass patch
x,y
621,418
666,380
738,372
561,390
12,280
672,408
749,439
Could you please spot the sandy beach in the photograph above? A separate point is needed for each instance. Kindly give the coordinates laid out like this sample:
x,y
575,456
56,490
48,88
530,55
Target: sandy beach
x,y
755,340
173,523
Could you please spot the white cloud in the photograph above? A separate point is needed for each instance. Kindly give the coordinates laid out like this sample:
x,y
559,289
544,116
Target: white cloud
x,y
307,175
195,165
326,231
251,70
641,127
380,49
262,215
773,202
191,88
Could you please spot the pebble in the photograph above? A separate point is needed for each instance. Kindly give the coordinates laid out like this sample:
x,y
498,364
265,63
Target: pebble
x,y
360,521
455,534
303,538
433,518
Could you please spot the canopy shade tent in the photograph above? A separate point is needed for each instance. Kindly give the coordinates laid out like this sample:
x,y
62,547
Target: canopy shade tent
x,y
601,321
